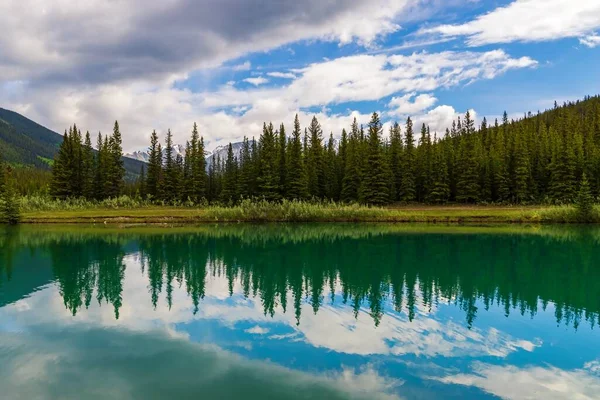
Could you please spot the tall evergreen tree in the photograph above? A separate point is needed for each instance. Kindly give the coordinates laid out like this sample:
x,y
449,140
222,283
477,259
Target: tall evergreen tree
x,y
229,191
296,173
314,166
375,186
353,169
154,167
408,191
268,173
281,160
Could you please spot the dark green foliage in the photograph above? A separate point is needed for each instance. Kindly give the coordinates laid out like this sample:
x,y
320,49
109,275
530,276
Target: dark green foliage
x,y
584,201
154,167
540,158
268,169
296,172
353,167
9,201
171,176
407,190
314,160
230,178
375,184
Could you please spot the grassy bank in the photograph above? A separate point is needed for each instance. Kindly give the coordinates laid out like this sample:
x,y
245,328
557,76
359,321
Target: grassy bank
x,y
291,211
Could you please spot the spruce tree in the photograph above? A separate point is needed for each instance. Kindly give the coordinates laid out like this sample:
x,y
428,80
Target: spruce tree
x,y
100,175
440,190
352,173
584,202
281,160
154,167
268,173
170,172
115,168
375,186
296,173
88,167
246,171
407,188
229,191
395,161
198,165
9,202
62,169
314,160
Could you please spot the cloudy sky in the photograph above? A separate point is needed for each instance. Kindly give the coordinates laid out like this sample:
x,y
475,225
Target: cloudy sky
x,y
229,65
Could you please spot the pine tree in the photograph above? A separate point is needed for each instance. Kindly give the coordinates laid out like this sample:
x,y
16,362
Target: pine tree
x,y
62,169
115,168
407,189
170,172
198,166
352,173
296,173
154,167
9,202
375,186
440,190
395,159
229,191
268,173
281,160
88,167
100,175
329,166
314,165
584,202
246,171
467,184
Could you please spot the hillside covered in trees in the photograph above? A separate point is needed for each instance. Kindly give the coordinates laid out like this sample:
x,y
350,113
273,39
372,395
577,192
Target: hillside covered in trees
x,y
30,148
541,158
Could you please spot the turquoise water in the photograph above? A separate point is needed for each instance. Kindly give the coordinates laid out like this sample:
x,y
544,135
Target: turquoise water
x,y
299,312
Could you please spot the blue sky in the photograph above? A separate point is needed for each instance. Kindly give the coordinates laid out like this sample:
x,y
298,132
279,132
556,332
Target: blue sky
x,y
230,65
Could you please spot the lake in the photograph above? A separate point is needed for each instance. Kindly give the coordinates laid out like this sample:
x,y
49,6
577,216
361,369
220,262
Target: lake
x,y
299,312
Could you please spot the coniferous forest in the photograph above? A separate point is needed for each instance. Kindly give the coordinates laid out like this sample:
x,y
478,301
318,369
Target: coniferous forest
x,y
541,158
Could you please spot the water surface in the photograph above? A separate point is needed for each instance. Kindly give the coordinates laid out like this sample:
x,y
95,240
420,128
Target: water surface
x,y
299,312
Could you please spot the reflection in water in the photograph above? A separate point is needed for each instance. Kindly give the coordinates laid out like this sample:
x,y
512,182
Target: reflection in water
x,y
334,311
372,265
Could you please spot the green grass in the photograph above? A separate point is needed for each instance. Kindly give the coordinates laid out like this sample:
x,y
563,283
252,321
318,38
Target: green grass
x,y
130,211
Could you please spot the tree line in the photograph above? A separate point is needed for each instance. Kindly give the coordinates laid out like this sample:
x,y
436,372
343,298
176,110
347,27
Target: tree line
x,y
541,158
80,171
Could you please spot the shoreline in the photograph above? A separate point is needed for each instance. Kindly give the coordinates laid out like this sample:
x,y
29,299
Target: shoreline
x,y
453,214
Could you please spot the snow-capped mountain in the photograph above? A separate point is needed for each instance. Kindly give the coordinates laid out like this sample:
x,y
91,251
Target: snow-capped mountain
x,y
219,152
144,155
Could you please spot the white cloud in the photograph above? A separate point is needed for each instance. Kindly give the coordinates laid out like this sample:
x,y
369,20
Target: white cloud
x,y
513,383
229,113
282,75
257,330
257,81
590,40
404,106
527,21
242,67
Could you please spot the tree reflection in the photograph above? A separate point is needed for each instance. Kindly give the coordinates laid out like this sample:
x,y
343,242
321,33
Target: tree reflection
x,y
368,267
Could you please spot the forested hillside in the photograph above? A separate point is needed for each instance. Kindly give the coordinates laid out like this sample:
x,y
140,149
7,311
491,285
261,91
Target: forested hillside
x,y
24,143
541,158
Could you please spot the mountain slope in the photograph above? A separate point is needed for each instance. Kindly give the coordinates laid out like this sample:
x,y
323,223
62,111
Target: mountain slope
x,y
24,142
